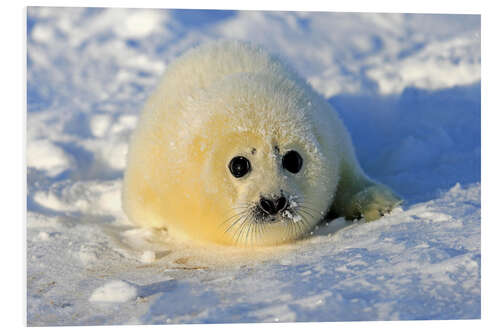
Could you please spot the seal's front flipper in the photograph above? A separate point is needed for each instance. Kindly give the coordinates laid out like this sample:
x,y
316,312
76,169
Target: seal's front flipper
x,y
373,202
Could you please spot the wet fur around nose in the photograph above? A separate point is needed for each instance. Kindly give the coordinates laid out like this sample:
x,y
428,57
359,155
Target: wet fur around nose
x,y
273,206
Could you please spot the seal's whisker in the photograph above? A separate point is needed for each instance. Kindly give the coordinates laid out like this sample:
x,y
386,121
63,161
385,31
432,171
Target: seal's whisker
x,y
310,209
240,233
248,223
251,233
236,222
308,213
303,221
306,204
238,229
248,230
297,225
258,231
232,222
254,233
302,203
261,229
290,228
306,210
241,227
232,217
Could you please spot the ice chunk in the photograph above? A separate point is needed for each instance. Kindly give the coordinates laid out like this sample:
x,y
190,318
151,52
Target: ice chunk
x,y
116,291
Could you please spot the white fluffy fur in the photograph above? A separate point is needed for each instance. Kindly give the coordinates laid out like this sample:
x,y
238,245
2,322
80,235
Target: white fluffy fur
x,y
228,99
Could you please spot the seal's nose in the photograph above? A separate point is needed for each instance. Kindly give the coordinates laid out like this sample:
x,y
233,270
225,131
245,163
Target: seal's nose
x,y
273,207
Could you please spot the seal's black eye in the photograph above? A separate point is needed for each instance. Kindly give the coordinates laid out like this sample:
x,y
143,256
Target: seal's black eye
x,y
239,166
292,161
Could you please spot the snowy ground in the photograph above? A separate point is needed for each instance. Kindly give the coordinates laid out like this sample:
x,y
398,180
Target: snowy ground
x,y
408,89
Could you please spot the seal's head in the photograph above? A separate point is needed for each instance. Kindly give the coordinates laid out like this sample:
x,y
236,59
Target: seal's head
x,y
260,161
252,168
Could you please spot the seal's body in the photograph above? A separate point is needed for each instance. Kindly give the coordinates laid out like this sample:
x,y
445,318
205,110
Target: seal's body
x,y
233,147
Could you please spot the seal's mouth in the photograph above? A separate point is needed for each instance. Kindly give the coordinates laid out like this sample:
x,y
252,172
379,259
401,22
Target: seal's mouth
x,y
284,215
253,222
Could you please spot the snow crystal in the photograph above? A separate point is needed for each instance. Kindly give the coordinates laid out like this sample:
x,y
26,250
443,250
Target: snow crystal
x,y
148,257
42,34
88,254
293,203
43,236
140,24
44,155
114,292
437,217
99,124
124,123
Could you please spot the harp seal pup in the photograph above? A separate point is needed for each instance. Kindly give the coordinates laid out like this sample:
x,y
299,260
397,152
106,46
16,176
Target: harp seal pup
x,y
234,148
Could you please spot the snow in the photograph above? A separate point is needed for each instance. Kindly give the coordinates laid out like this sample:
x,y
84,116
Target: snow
x,y
408,89
44,155
148,257
114,292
